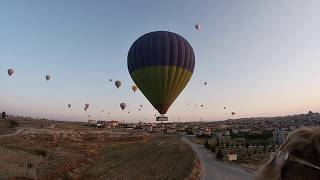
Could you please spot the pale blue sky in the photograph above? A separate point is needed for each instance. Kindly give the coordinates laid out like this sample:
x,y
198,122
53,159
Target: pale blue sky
x,y
260,58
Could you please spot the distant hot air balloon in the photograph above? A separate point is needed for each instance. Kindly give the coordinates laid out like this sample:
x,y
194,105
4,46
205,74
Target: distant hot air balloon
x,y
110,80
201,105
48,77
123,105
10,72
102,111
224,108
140,105
69,105
109,113
85,109
117,83
233,113
139,109
87,105
134,88
197,26
128,112
161,64
205,83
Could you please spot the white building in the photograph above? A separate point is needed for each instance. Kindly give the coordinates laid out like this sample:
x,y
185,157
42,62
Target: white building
x,y
232,157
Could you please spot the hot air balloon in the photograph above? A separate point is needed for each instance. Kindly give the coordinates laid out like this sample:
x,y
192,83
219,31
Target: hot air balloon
x,y
10,72
110,80
87,105
205,83
139,109
233,113
140,105
134,88
48,77
109,113
128,112
201,105
224,108
69,105
197,26
117,83
123,105
85,109
161,64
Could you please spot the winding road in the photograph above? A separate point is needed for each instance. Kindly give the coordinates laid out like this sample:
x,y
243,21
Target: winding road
x,y
216,170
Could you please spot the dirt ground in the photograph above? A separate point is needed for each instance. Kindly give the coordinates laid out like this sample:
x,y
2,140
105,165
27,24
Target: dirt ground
x,y
58,150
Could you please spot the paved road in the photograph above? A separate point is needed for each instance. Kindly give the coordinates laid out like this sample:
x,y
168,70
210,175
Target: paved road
x,y
216,170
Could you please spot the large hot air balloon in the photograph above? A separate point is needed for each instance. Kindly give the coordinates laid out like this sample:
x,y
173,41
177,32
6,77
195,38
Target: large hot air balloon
x,y
69,105
134,88
48,77
197,26
117,83
161,64
123,105
10,72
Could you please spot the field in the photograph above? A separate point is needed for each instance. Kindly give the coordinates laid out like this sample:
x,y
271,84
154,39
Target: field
x,y
62,150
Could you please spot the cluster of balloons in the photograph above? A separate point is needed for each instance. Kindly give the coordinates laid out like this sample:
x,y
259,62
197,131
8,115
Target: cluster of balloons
x,y
161,63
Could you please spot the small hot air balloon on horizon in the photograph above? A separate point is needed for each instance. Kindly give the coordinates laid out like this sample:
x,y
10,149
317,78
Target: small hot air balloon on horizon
x,y
161,64
118,84
10,72
205,83
48,77
123,105
233,113
197,27
140,105
224,108
134,88
110,80
201,105
69,105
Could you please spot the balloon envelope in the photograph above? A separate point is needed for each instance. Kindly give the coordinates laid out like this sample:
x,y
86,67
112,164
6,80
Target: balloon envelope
x,y
233,113
197,26
10,72
69,105
161,64
117,83
48,77
134,88
123,105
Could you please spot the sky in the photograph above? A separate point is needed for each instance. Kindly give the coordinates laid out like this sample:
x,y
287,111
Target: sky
x,y
259,58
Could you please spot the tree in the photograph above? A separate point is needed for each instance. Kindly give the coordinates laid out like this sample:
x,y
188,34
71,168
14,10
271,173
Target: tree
x,y
213,148
219,154
206,143
247,145
4,115
265,148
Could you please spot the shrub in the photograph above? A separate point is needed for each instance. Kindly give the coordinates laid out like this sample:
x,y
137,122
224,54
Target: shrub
x,y
42,153
13,124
